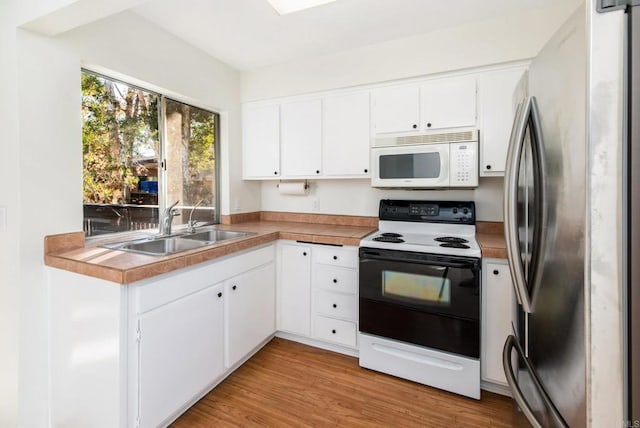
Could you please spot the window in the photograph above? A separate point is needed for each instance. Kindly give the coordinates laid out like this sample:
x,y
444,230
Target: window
x,y
142,152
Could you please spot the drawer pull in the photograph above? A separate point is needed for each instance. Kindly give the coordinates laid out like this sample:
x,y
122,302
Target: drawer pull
x,y
335,280
335,257
234,287
335,306
304,254
219,294
333,331
495,272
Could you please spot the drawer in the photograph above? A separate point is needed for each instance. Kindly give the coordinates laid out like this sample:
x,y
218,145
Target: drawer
x,y
336,331
335,278
336,256
336,304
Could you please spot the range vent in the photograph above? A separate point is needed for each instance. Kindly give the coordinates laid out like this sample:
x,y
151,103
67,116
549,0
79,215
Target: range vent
x,y
450,137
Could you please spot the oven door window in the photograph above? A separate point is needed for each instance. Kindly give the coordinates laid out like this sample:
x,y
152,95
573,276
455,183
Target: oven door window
x,y
410,165
411,287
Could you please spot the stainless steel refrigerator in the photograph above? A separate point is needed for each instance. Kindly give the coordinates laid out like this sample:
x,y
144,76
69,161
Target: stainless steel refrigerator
x,y
544,210
633,216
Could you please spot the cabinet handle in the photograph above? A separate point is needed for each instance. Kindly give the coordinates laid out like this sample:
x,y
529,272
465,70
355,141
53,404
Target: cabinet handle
x,y
234,287
333,331
429,125
335,306
496,271
317,171
335,280
414,126
304,254
335,257
275,172
219,294
366,170
488,167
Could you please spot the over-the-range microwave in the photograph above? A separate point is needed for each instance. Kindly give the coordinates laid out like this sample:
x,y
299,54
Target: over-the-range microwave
x,y
426,161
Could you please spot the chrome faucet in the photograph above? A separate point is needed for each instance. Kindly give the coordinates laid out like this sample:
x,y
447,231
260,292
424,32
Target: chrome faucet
x,y
167,219
192,224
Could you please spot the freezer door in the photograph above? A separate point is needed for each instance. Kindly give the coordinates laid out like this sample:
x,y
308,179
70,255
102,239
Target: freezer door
x,y
532,400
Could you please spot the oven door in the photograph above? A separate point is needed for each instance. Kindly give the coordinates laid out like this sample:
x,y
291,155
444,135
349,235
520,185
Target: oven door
x,y
423,166
425,299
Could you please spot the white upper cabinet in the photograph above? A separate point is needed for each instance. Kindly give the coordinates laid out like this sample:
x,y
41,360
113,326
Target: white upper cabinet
x,y
261,141
300,138
397,109
448,103
347,135
497,108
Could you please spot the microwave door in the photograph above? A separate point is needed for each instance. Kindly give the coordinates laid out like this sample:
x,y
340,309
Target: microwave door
x,y
411,166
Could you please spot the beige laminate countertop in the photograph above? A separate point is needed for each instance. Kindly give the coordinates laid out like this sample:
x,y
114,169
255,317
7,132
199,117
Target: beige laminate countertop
x,y
70,252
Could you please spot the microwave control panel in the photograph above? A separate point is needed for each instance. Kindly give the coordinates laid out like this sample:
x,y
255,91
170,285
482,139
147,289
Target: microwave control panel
x,y
463,167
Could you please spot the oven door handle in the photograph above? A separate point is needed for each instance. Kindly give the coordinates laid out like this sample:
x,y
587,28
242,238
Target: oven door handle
x,y
460,264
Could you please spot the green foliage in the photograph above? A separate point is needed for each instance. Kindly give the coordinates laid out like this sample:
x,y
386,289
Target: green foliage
x,y
120,136
120,124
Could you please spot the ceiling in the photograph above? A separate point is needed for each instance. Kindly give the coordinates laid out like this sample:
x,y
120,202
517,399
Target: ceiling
x,y
248,34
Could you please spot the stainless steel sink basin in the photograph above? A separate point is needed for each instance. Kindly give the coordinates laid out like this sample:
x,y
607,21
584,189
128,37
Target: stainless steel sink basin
x,y
161,246
211,236
158,246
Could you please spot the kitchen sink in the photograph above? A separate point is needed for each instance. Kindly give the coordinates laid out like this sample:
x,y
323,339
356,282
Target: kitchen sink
x,y
164,245
211,236
158,246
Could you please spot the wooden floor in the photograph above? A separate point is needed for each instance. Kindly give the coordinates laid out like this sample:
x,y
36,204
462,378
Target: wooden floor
x,y
290,384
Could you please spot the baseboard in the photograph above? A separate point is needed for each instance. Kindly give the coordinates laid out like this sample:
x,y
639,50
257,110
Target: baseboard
x,y
318,344
495,388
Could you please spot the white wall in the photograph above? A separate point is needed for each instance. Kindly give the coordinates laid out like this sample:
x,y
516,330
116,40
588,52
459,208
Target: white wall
x,y
49,153
357,197
508,38
9,233
142,53
50,164
512,38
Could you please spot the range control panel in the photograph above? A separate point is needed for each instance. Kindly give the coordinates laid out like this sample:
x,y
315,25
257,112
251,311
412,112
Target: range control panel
x,y
428,211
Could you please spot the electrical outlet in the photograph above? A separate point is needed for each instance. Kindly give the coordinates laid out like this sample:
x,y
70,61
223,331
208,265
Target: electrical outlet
x,y
315,205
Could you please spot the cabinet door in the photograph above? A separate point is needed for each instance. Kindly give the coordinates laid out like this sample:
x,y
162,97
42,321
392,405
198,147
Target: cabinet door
x,y
301,137
397,109
180,353
347,134
250,311
449,103
295,289
261,141
498,312
497,107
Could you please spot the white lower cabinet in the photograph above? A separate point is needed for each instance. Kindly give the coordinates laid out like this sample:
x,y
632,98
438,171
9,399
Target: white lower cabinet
x,y
188,330
498,314
294,288
318,292
251,311
179,353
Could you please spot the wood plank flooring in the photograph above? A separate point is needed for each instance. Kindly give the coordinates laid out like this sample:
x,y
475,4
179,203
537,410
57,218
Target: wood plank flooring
x,y
290,384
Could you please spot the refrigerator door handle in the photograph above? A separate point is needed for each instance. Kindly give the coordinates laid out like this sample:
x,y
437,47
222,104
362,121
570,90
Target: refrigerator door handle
x,y
510,344
516,145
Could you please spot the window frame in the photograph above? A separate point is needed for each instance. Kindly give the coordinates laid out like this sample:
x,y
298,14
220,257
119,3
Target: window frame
x,y
162,142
